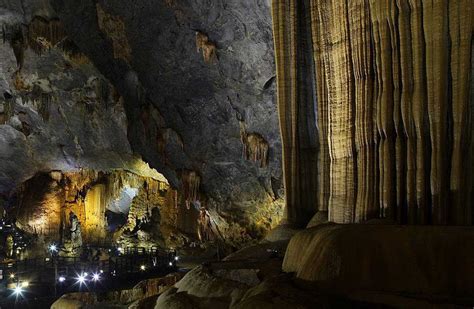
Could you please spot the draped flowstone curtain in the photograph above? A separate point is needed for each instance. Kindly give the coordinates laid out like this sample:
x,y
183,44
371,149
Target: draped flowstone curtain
x,y
297,108
393,103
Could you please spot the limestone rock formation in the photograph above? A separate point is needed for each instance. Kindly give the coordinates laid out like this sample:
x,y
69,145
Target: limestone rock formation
x,y
57,112
77,207
394,88
130,298
410,260
184,107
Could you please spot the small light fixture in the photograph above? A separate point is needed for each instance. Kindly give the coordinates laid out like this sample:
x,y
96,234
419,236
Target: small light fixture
x,y
12,276
25,284
96,277
62,279
18,290
53,248
81,279
176,258
170,263
142,267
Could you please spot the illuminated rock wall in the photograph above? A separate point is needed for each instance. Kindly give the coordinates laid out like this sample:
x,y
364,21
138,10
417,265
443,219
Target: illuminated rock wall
x,y
190,80
95,223
45,202
395,107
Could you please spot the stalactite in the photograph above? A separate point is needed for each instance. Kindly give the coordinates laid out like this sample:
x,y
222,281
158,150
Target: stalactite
x,y
191,182
18,42
8,110
162,137
255,147
114,28
394,92
44,34
44,103
205,46
102,90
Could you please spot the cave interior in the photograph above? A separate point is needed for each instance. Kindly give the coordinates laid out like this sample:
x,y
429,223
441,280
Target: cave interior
x,y
237,154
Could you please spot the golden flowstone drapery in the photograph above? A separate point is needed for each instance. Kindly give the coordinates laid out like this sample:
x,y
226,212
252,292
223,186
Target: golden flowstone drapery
x,y
395,108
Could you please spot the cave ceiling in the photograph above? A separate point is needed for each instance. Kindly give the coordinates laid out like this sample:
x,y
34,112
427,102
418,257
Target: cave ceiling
x,y
191,92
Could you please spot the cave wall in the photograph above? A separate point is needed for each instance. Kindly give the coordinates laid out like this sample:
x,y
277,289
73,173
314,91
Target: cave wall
x,y
45,201
395,107
197,78
57,112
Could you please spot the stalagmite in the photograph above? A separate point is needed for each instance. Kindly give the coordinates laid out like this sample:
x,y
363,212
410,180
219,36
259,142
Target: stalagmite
x,y
394,112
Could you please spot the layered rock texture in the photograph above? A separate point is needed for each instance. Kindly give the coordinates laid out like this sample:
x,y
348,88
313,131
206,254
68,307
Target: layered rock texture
x,y
197,78
394,85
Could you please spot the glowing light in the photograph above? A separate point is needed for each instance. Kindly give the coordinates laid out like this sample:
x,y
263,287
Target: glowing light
x,y
170,263
101,271
62,279
12,276
53,248
17,291
142,267
81,279
96,277
25,284
176,258
86,274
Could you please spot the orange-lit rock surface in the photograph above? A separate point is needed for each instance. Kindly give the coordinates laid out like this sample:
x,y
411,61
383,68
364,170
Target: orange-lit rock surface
x,y
46,200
